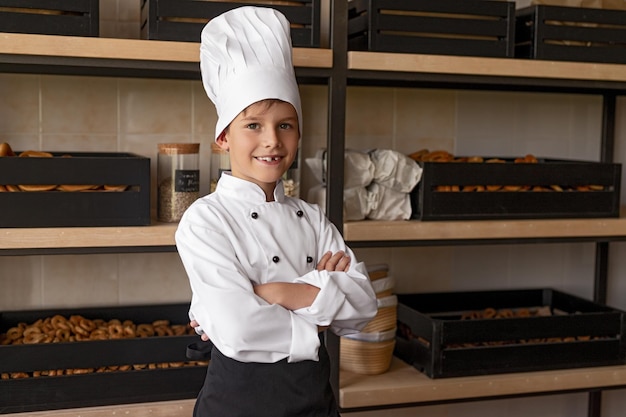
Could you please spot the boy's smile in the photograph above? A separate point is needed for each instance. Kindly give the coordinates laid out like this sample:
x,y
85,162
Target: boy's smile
x,y
262,142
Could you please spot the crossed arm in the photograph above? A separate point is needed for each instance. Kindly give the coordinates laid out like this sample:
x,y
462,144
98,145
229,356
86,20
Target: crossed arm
x,y
293,296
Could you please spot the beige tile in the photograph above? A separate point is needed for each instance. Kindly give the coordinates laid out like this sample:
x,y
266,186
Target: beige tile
x,y
427,269
21,282
204,113
80,280
19,106
107,29
79,142
79,104
152,278
155,106
108,9
424,119
369,118
129,10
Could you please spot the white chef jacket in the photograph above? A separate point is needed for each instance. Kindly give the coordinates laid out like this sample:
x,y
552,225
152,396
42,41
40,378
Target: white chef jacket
x,y
233,239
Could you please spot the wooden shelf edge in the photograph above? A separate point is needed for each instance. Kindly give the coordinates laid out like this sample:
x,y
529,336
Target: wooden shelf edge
x,y
374,230
480,66
176,408
130,49
157,234
403,384
162,234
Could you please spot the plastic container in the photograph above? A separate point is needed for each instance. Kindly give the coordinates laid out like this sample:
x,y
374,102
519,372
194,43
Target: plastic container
x,y
178,179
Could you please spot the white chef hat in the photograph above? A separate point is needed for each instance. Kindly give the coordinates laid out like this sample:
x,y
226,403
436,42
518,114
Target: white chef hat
x,y
245,57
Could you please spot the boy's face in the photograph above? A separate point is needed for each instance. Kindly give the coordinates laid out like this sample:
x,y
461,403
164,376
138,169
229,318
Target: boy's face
x,y
262,142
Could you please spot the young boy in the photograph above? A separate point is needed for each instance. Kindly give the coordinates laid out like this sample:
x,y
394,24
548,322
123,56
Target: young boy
x,y
268,272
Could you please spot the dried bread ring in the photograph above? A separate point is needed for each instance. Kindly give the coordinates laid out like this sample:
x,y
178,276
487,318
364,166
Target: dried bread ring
x,y
145,330
419,155
76,187
38,187
12,188
88,325
5,150
15,333
59,322
115,187
116,331
35,154
62,335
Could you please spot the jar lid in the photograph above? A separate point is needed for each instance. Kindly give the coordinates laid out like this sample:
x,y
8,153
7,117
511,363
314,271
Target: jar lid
x,y
178,148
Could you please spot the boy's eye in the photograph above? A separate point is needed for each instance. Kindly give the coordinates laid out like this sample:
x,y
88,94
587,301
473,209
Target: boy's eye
x,y
285,125
252,126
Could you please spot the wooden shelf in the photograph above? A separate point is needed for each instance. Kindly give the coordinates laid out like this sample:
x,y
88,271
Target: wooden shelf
x,y
175,408
158,234
488,67
122,57
403,384
162,234
413,230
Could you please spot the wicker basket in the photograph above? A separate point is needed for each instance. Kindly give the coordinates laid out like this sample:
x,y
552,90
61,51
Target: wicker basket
x,y
368,354
386,317
377,271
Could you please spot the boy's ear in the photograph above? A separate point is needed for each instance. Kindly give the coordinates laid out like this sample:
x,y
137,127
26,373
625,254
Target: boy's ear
x,y
221,141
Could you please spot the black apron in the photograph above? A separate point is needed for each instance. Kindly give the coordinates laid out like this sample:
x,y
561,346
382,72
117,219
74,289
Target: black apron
x,y
281,389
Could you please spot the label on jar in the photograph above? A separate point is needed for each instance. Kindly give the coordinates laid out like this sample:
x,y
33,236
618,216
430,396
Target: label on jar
x,y
187,180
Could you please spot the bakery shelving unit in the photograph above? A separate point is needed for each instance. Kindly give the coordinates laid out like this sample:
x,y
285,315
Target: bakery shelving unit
x,y
338,68
404,386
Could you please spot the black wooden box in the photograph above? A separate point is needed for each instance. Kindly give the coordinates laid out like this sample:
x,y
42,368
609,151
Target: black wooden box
x,y
444,27
183,20
35,393
571,34
568,332
50,17
85,208
548,189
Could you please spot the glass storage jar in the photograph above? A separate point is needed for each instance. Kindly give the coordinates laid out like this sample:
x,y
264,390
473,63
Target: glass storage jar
x,y
220,162
178,179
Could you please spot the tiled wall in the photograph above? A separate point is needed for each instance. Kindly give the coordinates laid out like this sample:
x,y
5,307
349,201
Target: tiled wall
x,y
133,115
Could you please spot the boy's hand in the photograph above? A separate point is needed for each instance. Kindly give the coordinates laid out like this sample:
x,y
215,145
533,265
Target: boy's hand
x,y
195,324
338,261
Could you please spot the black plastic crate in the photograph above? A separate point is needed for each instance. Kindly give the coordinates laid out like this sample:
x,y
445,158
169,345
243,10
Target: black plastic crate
x,y
571,34
446,27
98,388
434,337
50,17
587,190
183,20
85,208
